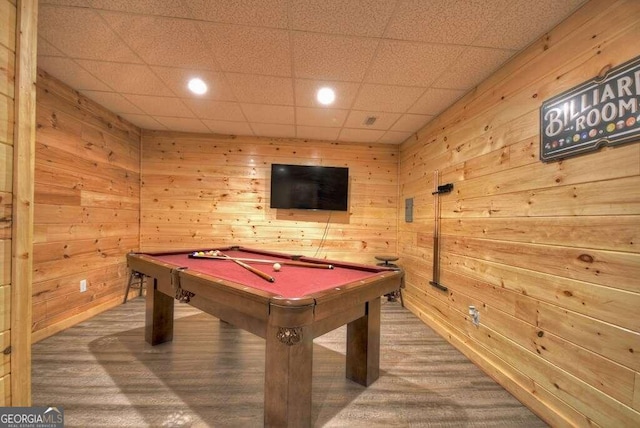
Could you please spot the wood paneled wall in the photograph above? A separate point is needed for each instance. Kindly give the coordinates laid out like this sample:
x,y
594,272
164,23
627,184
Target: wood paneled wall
x,y
24,131
87,195
7,82
206,190
548,253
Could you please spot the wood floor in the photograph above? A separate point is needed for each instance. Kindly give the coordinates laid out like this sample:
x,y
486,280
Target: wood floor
x,y
103,374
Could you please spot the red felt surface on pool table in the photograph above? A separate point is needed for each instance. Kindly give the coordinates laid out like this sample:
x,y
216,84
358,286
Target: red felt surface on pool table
x,y
290,282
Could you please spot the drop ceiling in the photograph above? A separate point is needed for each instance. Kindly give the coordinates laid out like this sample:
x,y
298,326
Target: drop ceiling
x,y
399,61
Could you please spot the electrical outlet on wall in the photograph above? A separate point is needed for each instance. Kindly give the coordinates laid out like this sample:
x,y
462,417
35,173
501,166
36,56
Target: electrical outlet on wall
x,y
475,315
83,285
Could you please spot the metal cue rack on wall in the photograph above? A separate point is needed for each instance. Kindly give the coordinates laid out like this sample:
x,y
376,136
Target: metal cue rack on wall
x,y
438,190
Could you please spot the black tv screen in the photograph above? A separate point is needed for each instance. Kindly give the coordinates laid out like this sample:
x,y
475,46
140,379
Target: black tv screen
x,y
309,187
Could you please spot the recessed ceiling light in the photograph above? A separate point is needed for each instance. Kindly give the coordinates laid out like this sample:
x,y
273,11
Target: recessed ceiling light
x,y
326,96
197,86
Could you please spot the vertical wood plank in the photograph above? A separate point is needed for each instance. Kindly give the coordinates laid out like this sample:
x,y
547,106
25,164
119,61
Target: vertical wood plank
x,y
22,236
7,82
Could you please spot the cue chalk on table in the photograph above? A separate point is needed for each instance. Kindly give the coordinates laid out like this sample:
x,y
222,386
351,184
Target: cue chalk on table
x,y
251,269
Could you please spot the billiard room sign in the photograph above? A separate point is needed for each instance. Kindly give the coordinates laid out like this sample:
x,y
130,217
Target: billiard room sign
x,y
600,112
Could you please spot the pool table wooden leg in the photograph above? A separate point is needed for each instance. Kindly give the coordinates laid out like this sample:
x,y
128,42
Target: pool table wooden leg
x,y
363,346
158,316
287,390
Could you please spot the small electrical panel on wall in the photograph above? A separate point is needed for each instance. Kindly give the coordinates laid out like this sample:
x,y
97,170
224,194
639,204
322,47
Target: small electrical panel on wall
x,y
408,210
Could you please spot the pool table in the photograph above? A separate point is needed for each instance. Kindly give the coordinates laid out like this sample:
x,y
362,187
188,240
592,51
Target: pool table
x,y
307,298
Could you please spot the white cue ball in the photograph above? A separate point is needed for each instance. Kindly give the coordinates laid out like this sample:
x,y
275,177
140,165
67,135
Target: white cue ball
x,y
276,267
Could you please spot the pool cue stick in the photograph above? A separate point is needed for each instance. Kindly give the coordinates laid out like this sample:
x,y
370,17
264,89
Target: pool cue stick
x,y
282,262
251,269
436,233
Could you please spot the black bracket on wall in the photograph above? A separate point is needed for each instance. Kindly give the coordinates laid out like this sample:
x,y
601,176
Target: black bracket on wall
x,y
438,286
445,188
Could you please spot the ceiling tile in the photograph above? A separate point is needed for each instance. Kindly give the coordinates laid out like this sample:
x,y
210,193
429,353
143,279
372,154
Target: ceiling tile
x,y
329,117
249,50
273,130
442,21
360,135
356,119
69,72
411,64
472,67
387,98
143,121
160,106
47,49
177,79
183,124
411,122
321,56
435,100
254,89
127,78
306,92
228,128
81,33
80,3
147,7
522,21
263,13
113,102
260,113
395,137
215,110
166,41
337,16
317,132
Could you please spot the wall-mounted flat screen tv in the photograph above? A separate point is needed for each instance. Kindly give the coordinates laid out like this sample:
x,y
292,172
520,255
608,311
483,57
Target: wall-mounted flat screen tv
x,y
309,187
